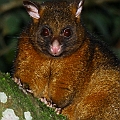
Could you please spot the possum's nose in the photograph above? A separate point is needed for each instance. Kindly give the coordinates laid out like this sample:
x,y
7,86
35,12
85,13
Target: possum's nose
x,y
55,48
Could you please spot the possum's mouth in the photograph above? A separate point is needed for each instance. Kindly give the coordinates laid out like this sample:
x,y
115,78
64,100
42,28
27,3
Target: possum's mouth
x,y
55,48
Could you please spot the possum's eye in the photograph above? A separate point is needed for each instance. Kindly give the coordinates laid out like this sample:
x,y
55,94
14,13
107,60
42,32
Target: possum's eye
x,y
45,32
67,32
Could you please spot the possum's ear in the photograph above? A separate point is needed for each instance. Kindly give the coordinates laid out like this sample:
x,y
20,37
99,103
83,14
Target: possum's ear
x,y
32,9
80,6
76,7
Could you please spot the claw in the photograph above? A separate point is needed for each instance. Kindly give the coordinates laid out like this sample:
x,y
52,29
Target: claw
x,y
18,81
58,111
42,99
51,105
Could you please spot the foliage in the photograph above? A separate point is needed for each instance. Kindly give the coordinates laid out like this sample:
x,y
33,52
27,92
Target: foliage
x,y
101,17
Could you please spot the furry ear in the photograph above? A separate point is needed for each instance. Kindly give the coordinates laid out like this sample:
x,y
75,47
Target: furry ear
x,y
32,9
80,6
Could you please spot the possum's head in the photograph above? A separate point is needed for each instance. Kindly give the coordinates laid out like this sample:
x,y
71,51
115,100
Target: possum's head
x,y
56,28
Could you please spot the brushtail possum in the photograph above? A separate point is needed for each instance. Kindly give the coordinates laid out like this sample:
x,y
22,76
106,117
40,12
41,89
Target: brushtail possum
x,y
60,61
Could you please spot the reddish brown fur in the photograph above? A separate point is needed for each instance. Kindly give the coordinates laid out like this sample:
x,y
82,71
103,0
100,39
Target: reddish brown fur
x,y
85,84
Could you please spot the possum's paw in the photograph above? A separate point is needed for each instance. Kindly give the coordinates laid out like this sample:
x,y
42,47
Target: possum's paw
x,y
51,105
22,87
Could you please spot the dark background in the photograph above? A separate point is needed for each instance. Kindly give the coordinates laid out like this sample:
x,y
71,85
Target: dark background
x,y
101,17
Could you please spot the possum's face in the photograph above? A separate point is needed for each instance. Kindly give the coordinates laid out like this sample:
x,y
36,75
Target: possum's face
x,y
55,27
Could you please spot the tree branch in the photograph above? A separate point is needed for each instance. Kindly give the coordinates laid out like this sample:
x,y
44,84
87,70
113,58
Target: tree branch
x,y
8,6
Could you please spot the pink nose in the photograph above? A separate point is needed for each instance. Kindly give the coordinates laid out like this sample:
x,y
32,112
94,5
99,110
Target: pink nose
x,y
55,48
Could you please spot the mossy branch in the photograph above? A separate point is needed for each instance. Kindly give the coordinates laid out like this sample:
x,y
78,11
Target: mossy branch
x,y
24,106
